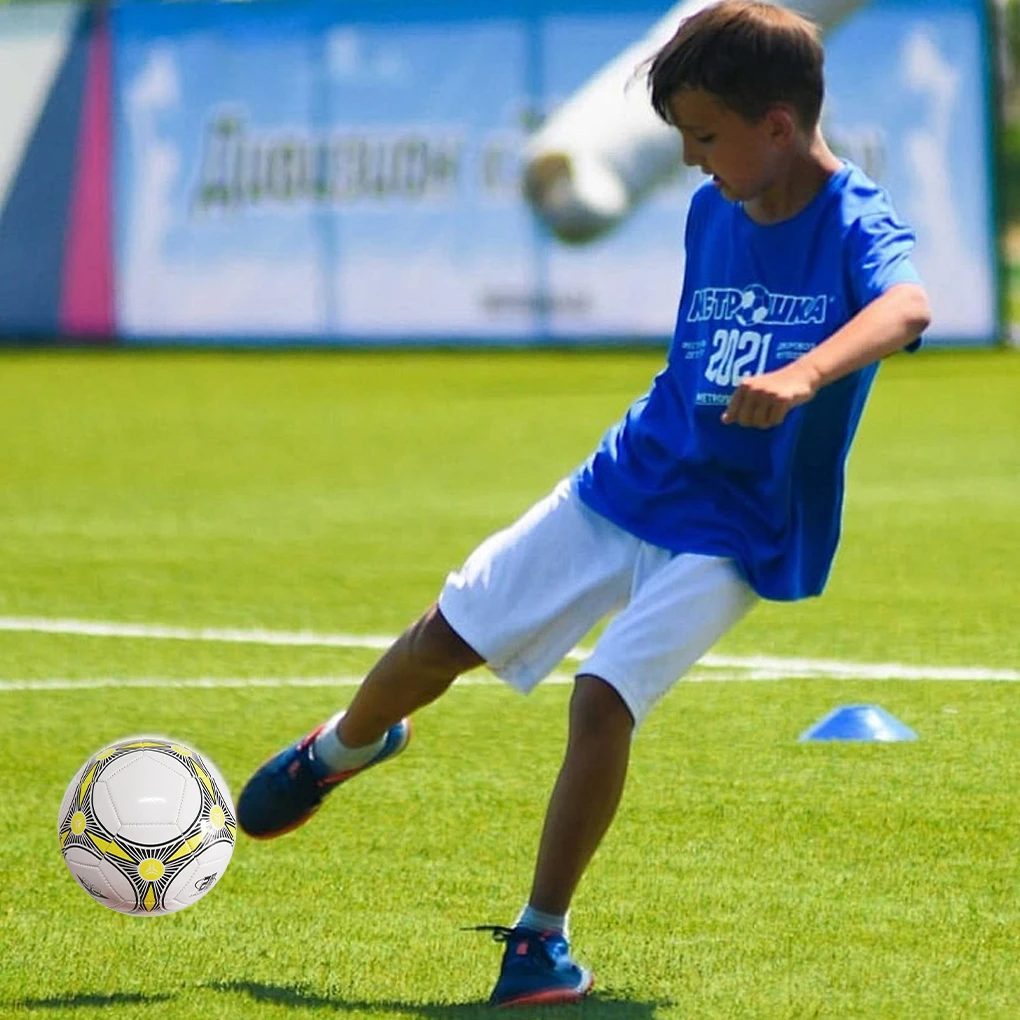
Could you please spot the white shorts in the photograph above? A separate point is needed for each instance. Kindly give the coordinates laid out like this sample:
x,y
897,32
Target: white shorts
x,y
527,595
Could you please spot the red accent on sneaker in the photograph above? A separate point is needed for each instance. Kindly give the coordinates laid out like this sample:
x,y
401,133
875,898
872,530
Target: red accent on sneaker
x,y
551,997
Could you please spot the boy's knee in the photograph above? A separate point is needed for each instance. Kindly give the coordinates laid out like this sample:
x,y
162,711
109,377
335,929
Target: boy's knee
x,y
597,709
436,647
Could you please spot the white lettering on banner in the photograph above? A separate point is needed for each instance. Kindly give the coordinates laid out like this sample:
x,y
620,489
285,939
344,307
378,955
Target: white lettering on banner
x,y
246,169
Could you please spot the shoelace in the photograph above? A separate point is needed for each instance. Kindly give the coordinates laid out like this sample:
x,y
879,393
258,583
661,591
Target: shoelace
x,y
500,932
537,946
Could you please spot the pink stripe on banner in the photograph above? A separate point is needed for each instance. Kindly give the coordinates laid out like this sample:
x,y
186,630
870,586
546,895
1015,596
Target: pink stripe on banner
x,y
87,305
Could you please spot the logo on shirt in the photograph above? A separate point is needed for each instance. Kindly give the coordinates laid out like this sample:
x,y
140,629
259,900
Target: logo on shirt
x,y
756,306
743,337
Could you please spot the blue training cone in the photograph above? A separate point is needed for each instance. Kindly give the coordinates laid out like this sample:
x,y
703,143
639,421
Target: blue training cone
x,y
859,722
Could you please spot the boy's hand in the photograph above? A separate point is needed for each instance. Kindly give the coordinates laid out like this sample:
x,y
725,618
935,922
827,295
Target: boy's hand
x,y
763,401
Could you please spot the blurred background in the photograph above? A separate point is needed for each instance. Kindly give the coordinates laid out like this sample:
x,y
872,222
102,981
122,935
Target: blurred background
x,y
210,531
393,172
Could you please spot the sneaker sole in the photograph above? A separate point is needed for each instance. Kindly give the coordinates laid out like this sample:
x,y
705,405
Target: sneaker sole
x,y
265,836
553,997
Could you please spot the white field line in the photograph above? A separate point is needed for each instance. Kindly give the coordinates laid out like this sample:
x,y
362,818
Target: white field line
x,y
479,679
157,632
710,668
242,682
767,667
698,676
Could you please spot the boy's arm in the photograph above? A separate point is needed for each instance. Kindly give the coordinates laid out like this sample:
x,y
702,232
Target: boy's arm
x,y
887,324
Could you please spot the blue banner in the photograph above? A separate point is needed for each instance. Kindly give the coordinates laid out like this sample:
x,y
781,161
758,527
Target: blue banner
x,y
323,173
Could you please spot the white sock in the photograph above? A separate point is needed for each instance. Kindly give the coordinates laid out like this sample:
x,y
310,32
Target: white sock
x,y
538,920
336,756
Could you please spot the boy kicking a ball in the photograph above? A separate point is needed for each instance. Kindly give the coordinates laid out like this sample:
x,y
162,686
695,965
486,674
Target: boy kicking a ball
x,y
722,485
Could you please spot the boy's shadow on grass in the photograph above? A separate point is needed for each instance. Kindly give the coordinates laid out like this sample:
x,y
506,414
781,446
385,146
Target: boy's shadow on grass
x,y
594,1007
91,1000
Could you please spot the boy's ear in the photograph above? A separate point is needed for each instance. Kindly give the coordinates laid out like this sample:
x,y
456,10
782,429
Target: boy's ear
x,y
781,122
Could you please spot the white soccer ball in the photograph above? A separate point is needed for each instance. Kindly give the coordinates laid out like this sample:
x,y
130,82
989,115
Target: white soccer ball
x,y
147,826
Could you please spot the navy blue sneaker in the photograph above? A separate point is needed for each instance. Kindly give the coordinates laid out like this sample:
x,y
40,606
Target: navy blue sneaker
x,y
289,788
537,969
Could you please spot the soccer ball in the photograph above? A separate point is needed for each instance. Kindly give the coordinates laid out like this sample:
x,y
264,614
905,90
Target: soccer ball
x,y
147,826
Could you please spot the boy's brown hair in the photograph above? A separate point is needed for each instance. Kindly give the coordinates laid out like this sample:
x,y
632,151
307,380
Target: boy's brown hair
x,y
748,55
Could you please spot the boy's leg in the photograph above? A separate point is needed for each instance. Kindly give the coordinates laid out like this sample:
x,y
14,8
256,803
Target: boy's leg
x,y
679,607
537,965
420,665
523,599
586,794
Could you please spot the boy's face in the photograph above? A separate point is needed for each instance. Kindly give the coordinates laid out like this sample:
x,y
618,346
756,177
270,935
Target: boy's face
x,y
743,157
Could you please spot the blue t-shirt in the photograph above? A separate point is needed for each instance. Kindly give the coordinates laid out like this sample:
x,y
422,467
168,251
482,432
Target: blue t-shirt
x,y
754,298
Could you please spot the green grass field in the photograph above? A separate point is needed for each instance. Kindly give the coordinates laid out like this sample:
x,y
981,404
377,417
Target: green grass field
x,y
748,875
